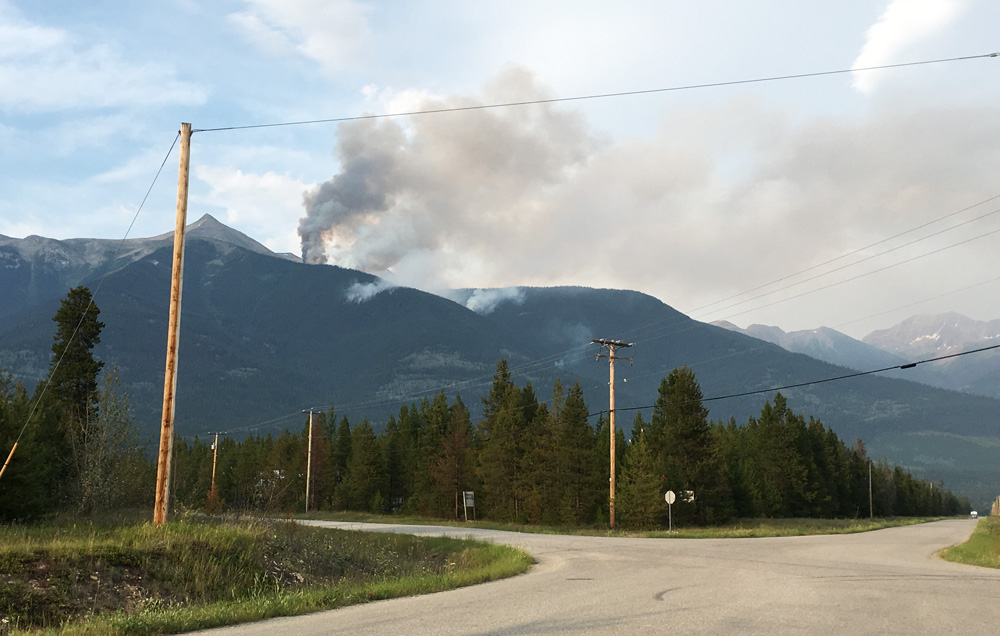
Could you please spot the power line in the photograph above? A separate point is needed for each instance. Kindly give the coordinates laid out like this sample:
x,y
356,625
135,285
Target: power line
x,y
859,250
475,382
874,271
556,100
90,305
920,302
908,365
864,260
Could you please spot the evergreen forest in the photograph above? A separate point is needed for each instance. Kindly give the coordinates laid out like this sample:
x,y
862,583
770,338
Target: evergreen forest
x,y
527,460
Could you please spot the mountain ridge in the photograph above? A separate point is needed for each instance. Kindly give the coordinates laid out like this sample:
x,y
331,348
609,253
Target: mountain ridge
x,y
264,336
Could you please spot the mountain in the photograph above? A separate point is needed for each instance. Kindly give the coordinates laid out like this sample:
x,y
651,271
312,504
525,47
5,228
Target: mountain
x,y
935,335
35,269
915,339
264,336
824,344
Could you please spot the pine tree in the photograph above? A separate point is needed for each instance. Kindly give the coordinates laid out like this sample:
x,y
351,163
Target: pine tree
x,y
539,479
686,451
452,471
499,440
23,493
366,469
70,397
341,459
639,502
578,481
73,368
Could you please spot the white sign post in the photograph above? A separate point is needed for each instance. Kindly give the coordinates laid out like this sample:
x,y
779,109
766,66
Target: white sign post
x,y
670,498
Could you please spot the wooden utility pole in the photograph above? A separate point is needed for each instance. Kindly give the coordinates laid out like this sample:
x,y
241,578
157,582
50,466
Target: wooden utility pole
x,y
611,345
309,456
215,456
173,331
2,470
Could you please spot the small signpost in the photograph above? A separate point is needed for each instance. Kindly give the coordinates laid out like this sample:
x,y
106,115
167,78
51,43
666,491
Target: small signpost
x,y
670,498
469,499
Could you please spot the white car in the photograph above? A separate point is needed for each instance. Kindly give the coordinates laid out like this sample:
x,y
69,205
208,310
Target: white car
x,y
974,514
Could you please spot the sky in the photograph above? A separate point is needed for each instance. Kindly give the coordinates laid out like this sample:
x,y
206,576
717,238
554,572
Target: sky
x,y
849,200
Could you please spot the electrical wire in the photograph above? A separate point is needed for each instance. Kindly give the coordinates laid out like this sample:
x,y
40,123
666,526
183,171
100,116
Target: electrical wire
x,y
556,100
539,363
857,251
93,299
908,365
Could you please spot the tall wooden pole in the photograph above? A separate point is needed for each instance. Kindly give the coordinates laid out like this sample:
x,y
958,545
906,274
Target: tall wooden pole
x,y
611,345
173,331
611,418
2,470
309,458
215,456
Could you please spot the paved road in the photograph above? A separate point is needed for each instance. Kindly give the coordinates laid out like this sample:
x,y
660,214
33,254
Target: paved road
x,y
885,582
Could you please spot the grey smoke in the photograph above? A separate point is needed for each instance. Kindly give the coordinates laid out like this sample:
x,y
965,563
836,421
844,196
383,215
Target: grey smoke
x,y
403,195
363,292
484,301
714,198
368,155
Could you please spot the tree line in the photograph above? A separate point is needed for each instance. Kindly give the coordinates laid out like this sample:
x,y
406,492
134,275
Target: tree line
x,y
527,460
538,462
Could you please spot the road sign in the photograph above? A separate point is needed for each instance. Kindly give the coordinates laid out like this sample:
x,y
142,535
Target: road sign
x,y
469,498
670,498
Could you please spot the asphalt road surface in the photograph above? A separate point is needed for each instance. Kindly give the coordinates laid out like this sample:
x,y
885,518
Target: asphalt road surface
x,y
884,582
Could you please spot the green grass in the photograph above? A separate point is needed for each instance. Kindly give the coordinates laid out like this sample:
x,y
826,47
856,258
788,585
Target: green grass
x,y
737,529
982,548
195,574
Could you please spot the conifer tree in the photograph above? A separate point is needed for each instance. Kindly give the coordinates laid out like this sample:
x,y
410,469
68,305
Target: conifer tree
x,y
23,493
366,470
639,502
686,450
500,446
73,368
452,471
538,484
578,481
72,390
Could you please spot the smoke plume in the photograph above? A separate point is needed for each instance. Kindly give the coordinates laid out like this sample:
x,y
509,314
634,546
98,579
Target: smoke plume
x,y
403,195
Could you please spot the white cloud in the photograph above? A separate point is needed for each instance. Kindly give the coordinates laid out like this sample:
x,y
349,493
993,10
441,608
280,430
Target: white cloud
x,y
904,23
44,69
261,205
332,33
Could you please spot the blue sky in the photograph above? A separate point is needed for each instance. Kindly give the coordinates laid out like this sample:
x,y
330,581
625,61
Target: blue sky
x,y
690,196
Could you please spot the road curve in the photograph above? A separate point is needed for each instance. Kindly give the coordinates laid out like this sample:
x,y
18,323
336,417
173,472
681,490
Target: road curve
x,y
884,582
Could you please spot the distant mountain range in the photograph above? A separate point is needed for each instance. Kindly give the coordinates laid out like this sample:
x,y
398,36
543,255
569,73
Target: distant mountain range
x,y
913,340
264,336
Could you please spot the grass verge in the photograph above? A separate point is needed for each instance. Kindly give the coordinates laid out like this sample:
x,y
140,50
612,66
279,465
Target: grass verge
x,y
737,529
91,579
982,548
